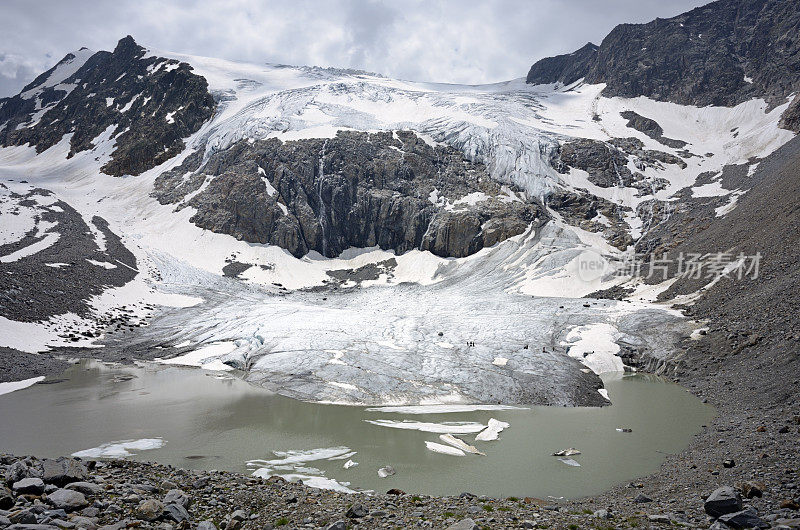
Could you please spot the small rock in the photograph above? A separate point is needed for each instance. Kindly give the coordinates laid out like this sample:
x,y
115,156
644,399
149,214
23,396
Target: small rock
x,y
150,509
356,511
729,463
641,499
87,488
6,498
724,500
175,512
752,489
464,524
744,519
338,525
239,515
395,491
206,525
176,496
602,514
790,504
168,485
29,486
662,519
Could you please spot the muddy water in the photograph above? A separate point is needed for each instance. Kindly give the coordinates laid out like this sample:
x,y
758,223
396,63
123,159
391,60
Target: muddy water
x,y
196,419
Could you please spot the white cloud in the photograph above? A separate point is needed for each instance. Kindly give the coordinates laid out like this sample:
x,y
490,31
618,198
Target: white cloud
x,y
464,41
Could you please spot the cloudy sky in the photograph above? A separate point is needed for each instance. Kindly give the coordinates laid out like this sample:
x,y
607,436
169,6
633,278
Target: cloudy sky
x,y
460,41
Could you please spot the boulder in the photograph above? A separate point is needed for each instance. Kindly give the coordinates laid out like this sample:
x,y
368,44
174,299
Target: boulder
x,y
744,519
29,486
206,525
356,511
722,501
150,509
176,496
63,471
464,524
175,512
67,500
87,488
16,472
6,498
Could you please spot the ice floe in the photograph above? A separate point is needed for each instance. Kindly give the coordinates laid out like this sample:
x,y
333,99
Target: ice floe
x,y
121,449
460,444
492,431
443,449
12,386
453,427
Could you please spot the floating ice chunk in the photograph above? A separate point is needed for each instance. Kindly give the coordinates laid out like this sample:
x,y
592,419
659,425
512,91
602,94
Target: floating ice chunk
x,y
386,471
344,456
459,443
452,427
349,464
311,481
11,386
299,457
121,449
492,430
444,449
604,392
569,462
567,452
624,429
441,409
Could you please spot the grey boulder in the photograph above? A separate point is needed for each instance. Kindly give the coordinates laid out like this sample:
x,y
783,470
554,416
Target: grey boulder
x,y
29,486
176,496
724,500
150,509
464,524
67,500
175,512
744,519
63,471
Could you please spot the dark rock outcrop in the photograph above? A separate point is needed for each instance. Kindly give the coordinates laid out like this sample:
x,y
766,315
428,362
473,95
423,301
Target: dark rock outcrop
x,y
722,53
146,104
390,190
564,69
607,162
651,128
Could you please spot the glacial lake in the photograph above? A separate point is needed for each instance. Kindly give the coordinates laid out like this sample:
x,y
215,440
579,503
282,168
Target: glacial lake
x,y
201,420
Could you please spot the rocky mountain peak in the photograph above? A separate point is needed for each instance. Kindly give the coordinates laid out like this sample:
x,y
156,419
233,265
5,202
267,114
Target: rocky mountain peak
x,y
722,53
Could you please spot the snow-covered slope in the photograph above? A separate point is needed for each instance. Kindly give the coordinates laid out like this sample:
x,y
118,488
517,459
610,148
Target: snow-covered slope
x,y
369,325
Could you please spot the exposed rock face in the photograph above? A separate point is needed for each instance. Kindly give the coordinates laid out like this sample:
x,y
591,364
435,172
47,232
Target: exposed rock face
x,y
390,190
586,211
607,163
564,69
146,104
651,128
720,54
791,117
64,276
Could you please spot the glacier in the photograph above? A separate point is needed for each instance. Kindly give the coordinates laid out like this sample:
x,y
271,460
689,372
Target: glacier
x,y
431,332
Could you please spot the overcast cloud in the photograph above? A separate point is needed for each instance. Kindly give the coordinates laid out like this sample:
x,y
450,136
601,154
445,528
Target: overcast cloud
x,y
460,41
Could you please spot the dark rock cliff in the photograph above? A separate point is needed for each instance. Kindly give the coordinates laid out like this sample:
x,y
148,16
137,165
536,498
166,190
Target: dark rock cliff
x,y
564,69
722,53
390,190
149,103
